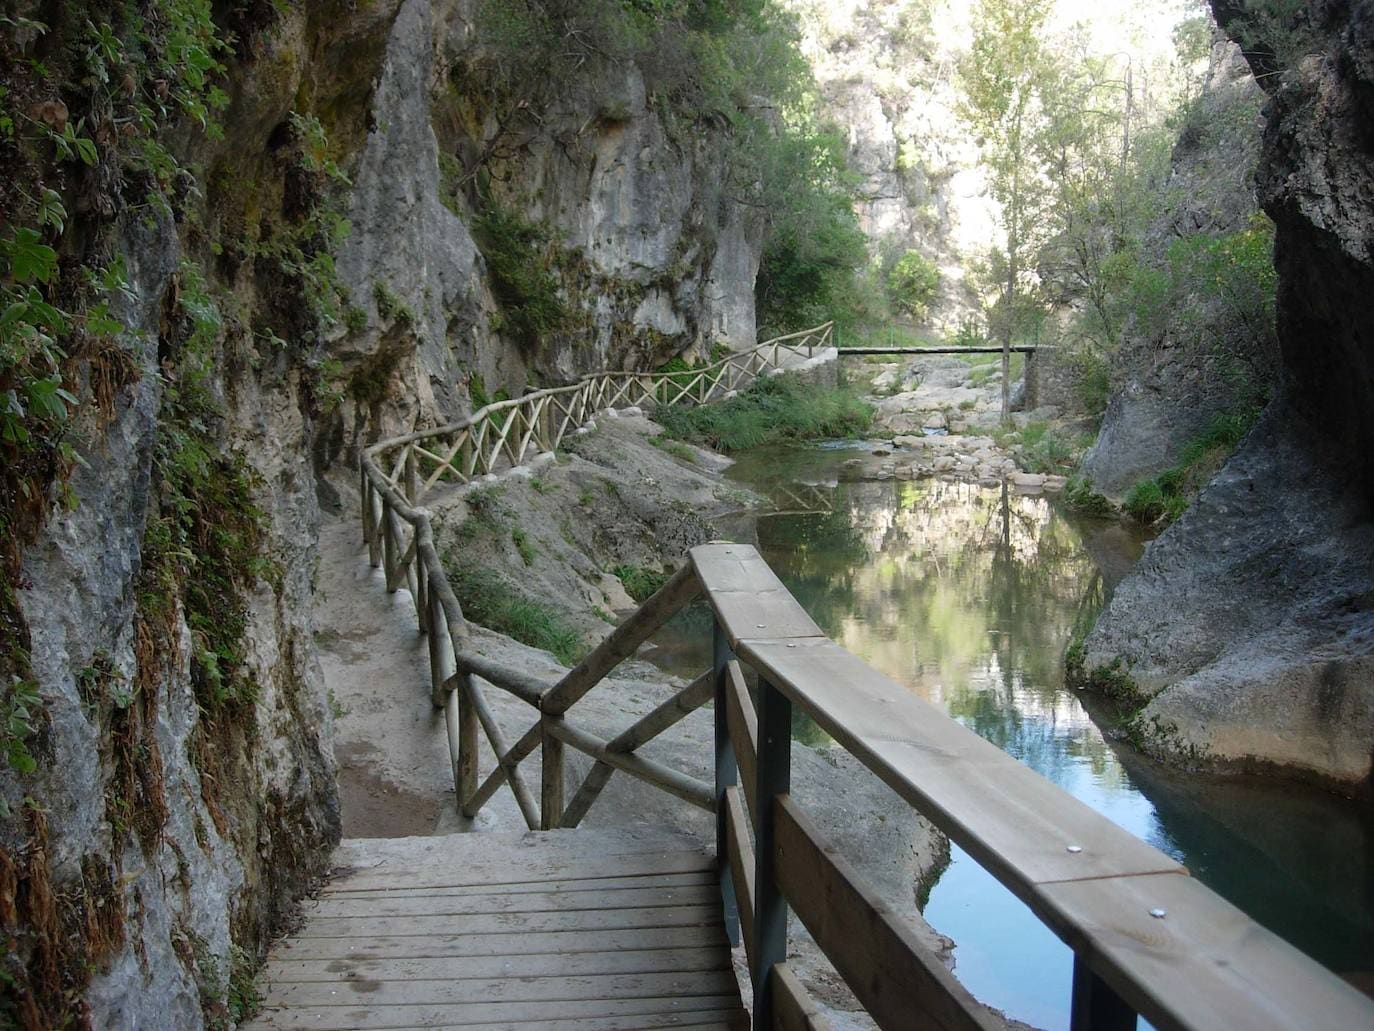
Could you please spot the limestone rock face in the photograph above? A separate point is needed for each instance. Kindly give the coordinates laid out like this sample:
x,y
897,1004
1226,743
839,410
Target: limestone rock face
x,y
652,256
1248,624
1170,380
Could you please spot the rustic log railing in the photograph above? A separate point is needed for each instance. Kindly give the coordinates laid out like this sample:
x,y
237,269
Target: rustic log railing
x,y
1147,938
508,433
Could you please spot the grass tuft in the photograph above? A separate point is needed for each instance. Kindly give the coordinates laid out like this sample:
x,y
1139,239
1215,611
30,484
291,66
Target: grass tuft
x,y
640,583
776,409
491,602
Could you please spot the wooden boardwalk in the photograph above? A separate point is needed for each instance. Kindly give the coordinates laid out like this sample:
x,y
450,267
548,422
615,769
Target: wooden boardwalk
x,y
603,929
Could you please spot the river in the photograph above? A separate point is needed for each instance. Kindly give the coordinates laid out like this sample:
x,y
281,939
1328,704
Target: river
x,y
969,596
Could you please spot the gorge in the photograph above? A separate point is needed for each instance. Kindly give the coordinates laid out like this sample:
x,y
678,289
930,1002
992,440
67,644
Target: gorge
x,y
241,242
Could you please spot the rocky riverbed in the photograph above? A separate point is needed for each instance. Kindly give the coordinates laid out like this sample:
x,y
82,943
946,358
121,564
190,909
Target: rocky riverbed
x,y
940,416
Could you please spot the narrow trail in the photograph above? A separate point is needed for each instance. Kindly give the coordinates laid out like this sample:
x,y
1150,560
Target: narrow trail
x,y
393,759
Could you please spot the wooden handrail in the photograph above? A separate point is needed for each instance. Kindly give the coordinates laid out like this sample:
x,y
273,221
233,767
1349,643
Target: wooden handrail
x,y
506,430
1147,938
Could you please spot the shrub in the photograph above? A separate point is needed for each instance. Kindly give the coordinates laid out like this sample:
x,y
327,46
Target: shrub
x,y
1145,502
774,410
912,284
520,257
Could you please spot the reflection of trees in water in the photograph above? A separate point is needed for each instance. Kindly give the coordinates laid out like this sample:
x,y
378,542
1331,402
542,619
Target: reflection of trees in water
x,y
967,593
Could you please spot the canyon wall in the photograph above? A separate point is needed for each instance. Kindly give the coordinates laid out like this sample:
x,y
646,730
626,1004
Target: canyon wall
x,y
309,276
1246,634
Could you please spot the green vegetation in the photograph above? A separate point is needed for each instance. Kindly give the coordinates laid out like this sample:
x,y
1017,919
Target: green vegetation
x,y
774,410
912,284
1167,496
19,710
389,306
705,64
1080,496
676,448
521,259
496,604
1007,78
524,545
1041,448
640,583
203,549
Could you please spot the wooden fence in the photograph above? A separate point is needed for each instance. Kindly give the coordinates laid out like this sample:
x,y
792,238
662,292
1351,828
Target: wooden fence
x,y
1147,938
508,433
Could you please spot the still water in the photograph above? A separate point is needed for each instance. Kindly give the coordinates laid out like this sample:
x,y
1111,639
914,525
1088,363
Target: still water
x,y
969,596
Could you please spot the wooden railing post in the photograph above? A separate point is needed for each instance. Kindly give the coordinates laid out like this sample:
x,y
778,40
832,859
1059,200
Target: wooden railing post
x,y
465,764
412,477
727,775
365,493
1096,1006
773,777
551,783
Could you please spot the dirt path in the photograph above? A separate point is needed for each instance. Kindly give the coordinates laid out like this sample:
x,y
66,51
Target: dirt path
x,y
389,741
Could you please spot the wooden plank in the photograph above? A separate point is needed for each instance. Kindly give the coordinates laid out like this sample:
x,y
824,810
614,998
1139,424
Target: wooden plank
x,y
793,1007
552,773
898,980
665,715
740,855
1010,819
512,758
460,945
749,600
693,1020
623,641
533,868
347,1017
1203,964
518,902
510,923
687,788
684,703
666,881
744,728
445,992
717,1020
646,961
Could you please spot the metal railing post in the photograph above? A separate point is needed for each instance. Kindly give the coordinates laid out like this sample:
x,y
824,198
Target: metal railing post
x,y
1096,1006
727,775
773,778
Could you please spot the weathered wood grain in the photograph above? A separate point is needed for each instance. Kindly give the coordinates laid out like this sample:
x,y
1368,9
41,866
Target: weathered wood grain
x,y
899,981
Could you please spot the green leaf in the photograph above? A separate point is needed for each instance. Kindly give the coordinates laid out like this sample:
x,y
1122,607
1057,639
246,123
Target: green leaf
x,y
50,210
30,259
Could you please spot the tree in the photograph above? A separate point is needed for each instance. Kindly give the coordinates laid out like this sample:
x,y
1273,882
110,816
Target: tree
x,y
1005,77
912,284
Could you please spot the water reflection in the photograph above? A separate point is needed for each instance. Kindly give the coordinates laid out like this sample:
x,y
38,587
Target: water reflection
x,y
969,596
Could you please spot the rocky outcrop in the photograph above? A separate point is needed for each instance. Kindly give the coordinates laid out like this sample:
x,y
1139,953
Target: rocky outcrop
x,y
305,278
1247,632
1177,369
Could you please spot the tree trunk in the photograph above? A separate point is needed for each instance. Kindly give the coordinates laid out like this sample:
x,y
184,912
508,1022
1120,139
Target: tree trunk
x,y
1009,316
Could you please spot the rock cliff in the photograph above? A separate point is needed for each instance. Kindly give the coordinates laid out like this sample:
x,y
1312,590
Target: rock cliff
x,y
1246,633
322,267
1207,353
